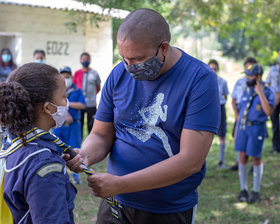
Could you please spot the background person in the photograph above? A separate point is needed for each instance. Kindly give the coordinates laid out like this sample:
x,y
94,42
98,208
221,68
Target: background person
x,y
256,104
223,93
236,96
153,123
39,56
70,132
7,64
273,80
89,81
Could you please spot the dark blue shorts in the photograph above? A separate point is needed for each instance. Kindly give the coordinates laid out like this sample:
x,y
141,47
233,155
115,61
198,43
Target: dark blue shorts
x,y
250,140
223,125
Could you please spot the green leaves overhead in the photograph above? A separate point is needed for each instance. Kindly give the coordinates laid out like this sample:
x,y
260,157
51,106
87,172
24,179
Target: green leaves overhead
x,y
249,25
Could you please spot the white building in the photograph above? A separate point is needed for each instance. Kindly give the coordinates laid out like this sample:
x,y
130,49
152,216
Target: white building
x,y
26,25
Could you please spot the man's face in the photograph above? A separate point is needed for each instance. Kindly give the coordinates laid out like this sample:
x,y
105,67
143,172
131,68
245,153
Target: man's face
x,y
134,53
85,58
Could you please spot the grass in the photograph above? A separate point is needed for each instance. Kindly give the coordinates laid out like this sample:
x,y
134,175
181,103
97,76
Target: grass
x,y
217,193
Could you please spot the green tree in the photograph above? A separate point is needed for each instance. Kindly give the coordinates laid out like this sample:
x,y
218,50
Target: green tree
x,y
245,27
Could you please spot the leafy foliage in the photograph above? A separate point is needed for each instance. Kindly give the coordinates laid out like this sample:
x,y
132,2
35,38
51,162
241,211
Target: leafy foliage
x,y
245,27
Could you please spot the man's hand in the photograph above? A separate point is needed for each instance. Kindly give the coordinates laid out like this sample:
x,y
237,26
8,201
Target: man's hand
x,y
75,163
104,185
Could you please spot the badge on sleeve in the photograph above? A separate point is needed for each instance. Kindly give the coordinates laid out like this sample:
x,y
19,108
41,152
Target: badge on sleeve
x,y
258,107
50,168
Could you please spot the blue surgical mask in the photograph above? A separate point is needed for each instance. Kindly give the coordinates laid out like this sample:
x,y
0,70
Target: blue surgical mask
x,y
278,59
39,61
6,58
147,70
85,64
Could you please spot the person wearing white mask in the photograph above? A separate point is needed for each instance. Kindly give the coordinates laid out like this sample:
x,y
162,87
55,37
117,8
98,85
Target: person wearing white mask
x,y
36,185
70,131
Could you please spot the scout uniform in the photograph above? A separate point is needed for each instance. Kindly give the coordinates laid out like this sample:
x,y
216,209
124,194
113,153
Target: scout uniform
x,y
250,134
70,133
273,79
36,185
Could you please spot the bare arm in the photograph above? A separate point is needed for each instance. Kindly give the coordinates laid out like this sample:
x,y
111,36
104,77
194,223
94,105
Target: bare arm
x,y
77,105
194,148
95,147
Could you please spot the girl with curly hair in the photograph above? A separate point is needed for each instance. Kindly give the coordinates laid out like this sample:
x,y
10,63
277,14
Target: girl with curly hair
x,y
36,185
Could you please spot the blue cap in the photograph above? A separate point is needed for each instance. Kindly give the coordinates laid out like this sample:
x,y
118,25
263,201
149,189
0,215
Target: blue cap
x,y
254,69
65,69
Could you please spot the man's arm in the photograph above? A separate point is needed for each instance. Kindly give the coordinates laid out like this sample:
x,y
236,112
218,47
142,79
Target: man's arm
x,y
96,146
194,147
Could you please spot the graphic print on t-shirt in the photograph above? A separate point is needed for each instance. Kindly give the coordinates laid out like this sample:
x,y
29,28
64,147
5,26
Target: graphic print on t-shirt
x,y
150,115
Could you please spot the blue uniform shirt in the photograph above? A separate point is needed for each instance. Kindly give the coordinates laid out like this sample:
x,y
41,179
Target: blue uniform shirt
x,y
4,72
71,133
255,113
223,90
78,97
149,117
238,89
273,78
39,189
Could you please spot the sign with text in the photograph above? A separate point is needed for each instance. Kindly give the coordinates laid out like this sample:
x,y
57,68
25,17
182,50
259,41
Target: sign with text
x,y
57,48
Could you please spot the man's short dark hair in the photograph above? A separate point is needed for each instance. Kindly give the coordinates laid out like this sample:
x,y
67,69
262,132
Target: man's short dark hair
x,y
85,53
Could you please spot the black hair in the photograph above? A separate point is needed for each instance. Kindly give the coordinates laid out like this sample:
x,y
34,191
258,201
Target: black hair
x,y
39,52
26,88
250,60
213,61
85,53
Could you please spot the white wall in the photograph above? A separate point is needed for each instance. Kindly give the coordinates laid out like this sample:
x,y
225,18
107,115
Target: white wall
x,y
43,28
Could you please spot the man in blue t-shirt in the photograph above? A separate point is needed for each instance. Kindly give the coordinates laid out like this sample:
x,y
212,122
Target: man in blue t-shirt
x,y
156,120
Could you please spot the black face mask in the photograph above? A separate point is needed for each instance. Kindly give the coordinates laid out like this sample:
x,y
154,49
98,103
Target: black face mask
x,y
251,82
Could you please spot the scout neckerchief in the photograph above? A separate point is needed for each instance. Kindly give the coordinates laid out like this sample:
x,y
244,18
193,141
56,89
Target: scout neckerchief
x,y
11,146
248,105
70,90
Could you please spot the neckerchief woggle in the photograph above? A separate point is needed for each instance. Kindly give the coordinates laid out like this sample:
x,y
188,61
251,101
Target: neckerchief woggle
x,y
9,146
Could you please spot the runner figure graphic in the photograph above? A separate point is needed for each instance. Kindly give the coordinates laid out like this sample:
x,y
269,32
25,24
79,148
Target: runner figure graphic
x,y
150,115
